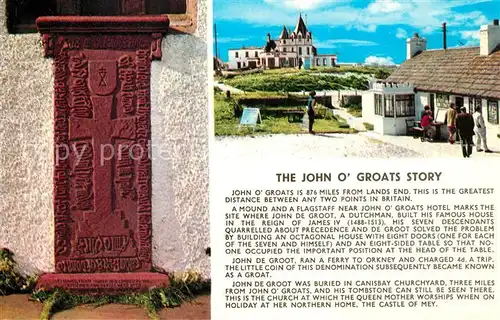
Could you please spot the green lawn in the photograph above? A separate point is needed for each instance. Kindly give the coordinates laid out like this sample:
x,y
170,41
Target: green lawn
x,y
227,124
368,126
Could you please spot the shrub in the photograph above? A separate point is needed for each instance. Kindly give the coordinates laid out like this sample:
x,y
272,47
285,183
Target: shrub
x,y
278,82
184,287
11,281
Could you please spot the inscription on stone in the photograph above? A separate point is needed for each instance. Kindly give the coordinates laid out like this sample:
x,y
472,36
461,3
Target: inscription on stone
x,y
102,168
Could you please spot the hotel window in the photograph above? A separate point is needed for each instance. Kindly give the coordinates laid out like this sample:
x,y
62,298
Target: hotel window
x,y
236,55
389,106
284,49
300,50
493,111
284,41
378,104
21,15
405,106
246,54
308,51
256,54
442,101
324,61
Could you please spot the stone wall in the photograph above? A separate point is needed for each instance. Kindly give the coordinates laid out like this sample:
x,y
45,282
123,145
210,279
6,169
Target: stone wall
x,y
179,138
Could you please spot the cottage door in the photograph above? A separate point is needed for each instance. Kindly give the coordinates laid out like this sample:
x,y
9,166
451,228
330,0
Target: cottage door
x,y
431,103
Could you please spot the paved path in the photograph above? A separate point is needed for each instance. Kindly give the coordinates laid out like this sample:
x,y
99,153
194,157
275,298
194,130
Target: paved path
x,y
354,122
309,147
225,87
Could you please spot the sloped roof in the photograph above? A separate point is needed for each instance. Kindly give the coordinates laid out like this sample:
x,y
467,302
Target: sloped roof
x,y
460,71
284,33
300,27
270,45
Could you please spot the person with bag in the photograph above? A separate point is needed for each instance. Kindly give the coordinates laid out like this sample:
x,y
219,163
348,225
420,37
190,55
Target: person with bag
x,y
311,102
480,130
451,115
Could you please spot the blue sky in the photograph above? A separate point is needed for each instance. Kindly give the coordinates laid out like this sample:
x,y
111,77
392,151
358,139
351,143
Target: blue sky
x,y
357,31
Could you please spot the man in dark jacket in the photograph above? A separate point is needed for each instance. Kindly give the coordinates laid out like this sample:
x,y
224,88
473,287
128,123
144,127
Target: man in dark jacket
x,y
465,129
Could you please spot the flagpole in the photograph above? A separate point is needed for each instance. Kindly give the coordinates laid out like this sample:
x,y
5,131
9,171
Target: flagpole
x,y
215,38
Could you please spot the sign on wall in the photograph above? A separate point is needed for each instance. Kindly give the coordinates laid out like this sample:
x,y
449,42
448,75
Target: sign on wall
x,y
493,112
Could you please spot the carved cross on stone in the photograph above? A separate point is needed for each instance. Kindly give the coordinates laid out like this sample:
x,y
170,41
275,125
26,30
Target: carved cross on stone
x,y
102,189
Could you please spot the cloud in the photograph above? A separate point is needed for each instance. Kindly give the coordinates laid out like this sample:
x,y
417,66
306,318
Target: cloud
x,y
296,4
230,39
401,33
420,16
381,61
470,37
335,43
384,6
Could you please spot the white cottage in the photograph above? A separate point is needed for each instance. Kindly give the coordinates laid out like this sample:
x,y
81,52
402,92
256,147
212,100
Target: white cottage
x,y
467,76
388,106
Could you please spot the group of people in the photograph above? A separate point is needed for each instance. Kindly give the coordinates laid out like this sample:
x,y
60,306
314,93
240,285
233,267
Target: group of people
x,y
465,126
459,122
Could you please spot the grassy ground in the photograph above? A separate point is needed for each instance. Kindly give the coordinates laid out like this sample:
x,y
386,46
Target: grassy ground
x,y
227,124
354,110
341,69
301,81
368,126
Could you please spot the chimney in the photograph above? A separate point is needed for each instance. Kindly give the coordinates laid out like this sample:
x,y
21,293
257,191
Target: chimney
x,y
414,46
489,38
444,35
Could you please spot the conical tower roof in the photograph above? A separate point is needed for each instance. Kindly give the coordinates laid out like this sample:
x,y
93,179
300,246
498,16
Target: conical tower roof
x,y
300,27
284,33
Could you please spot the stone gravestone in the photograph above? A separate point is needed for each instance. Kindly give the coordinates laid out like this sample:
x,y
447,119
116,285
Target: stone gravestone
x,y
102,168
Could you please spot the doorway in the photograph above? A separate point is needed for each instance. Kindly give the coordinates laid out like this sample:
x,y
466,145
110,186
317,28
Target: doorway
x,y
431,104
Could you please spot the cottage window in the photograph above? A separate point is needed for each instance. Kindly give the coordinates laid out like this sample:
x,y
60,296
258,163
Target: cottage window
x,y
442,101
389,106
21,15
493,111
378,104
405,106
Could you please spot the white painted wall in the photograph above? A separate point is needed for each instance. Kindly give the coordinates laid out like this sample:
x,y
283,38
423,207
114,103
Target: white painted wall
x,y
421,100
489,39
179,98
242,58
368,107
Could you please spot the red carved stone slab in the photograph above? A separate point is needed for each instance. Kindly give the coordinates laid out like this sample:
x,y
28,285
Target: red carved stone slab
x,y
96,284
102,168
